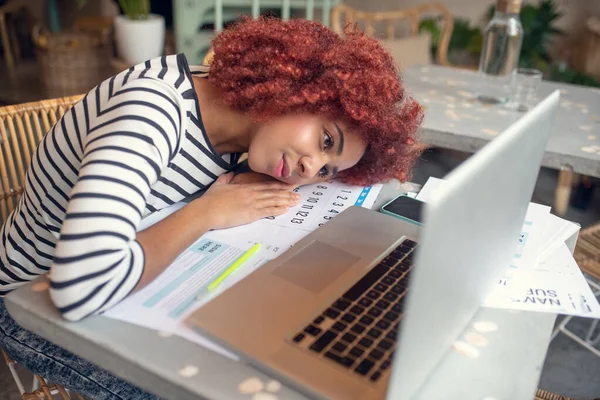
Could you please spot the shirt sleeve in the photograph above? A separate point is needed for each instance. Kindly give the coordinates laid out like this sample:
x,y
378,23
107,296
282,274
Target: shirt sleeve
x,y
132,137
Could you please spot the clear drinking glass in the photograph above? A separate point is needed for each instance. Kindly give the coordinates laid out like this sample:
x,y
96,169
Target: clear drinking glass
x,y
526,82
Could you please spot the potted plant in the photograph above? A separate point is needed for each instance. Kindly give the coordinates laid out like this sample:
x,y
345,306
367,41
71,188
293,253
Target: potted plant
x,y
139,35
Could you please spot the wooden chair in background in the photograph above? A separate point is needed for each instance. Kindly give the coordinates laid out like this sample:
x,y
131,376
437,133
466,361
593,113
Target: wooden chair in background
x,y
376,23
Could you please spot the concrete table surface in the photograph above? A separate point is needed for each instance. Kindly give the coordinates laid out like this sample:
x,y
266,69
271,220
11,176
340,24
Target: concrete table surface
x,y
506,365
456,120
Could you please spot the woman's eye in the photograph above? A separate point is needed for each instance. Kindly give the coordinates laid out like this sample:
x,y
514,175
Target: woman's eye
x,y
327,140
323,172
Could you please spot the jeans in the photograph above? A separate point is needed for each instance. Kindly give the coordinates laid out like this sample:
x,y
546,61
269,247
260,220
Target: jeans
x,y
59,366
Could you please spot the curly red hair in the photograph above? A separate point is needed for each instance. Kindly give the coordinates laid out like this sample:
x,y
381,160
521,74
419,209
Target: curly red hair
x,y
269,67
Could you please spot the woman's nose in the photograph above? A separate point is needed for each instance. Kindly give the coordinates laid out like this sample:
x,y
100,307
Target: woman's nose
x,y
308,167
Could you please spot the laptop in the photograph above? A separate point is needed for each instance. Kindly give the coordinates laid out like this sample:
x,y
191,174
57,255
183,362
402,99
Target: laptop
x,y
365,306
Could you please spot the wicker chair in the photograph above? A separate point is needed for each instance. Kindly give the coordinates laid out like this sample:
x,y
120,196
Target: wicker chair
x,y
21,129
587,251
587,256
544,395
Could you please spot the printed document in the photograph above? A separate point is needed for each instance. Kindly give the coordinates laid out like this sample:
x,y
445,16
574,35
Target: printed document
x,y
167,301
543,275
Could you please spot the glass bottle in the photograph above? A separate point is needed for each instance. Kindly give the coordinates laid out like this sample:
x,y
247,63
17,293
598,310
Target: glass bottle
x,y
500,53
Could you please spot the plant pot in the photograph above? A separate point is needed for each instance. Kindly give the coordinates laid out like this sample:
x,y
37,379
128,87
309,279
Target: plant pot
x,y
139,40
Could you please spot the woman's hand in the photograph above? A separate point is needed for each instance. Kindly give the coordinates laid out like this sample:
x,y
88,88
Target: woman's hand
x,y
226,205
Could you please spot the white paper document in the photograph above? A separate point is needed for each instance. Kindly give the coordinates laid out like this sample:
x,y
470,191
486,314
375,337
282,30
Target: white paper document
x,y
543,275
168,300
555,285
428,190
555,234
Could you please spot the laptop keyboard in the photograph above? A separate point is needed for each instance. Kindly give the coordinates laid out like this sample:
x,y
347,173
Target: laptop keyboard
x,y
358,331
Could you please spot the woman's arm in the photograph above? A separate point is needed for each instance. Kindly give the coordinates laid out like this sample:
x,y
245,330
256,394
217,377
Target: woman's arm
x,y
132,137
224,205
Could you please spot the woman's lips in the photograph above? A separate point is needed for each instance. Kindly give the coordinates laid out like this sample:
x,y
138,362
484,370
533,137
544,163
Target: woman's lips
x,y
286,170
279,168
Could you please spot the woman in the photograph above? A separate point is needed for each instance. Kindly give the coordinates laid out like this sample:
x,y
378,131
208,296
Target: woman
x,y
304,103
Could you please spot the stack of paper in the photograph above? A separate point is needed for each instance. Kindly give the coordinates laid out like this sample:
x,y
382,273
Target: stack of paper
x,y
543,276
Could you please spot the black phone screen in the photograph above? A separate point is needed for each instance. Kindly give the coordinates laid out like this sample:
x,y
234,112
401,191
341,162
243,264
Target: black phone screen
x,y
406,207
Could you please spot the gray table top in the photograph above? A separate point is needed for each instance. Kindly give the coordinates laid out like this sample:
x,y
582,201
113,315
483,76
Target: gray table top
x,y
456,120
499,355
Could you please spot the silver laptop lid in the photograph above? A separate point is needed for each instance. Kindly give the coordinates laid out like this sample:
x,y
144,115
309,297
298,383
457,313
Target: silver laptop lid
x,y
470,234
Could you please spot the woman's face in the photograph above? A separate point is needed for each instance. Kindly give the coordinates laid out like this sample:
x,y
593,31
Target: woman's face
x,y
302,149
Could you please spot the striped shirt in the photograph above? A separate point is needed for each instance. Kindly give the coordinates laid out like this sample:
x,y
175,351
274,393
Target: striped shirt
x,y
132,146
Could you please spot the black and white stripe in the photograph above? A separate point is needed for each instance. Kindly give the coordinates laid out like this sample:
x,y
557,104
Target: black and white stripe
x,y
134,145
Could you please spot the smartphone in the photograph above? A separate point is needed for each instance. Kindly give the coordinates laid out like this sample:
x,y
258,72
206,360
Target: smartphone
x,y
406,208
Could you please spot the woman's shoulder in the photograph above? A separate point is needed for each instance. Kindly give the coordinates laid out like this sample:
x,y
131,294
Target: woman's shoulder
x,y
171,70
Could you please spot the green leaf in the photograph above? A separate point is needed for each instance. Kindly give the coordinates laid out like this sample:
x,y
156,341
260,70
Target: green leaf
x,y
135,9
430,26
539,29
573,77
